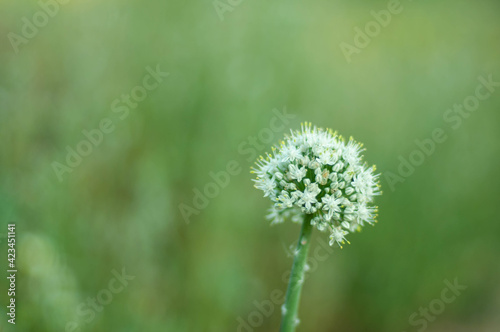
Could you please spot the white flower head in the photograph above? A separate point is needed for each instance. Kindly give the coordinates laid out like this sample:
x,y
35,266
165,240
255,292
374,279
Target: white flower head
x,y
316,172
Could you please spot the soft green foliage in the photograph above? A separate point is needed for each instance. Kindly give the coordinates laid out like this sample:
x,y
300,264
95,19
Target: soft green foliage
x,y
119,207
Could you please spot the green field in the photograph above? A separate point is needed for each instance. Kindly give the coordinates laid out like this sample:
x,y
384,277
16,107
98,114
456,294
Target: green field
x,y
118,117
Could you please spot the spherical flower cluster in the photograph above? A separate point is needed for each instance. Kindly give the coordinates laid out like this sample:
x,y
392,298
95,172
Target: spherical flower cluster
x,y
316,172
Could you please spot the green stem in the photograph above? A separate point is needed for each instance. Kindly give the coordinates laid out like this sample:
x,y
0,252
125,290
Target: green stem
x,y
288,322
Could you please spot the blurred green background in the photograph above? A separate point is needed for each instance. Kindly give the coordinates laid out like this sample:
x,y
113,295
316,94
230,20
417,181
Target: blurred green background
x,y
119,208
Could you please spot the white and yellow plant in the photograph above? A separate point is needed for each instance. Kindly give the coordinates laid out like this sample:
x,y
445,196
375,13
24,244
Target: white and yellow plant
x,y
318,179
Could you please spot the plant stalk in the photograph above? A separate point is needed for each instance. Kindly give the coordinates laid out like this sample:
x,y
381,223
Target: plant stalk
x,y
290,320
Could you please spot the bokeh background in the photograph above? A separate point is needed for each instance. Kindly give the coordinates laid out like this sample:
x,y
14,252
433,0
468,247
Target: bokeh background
x,y
119,209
